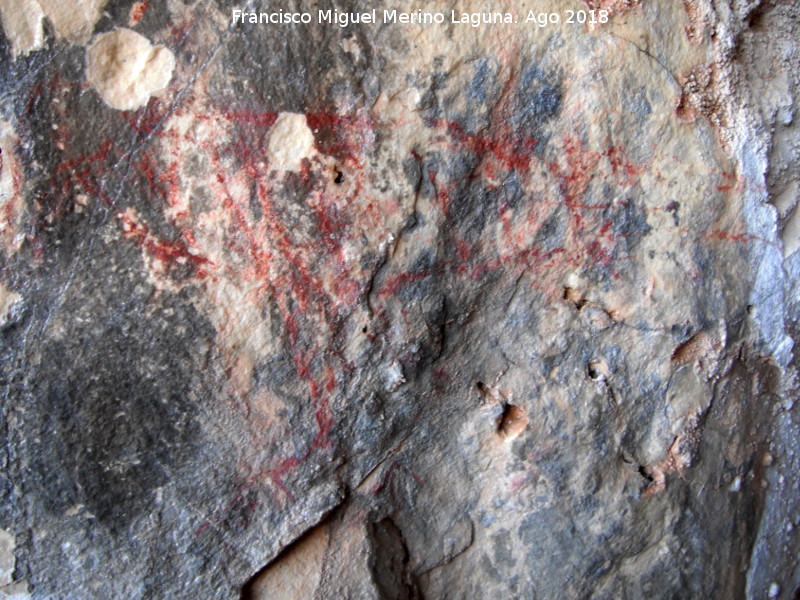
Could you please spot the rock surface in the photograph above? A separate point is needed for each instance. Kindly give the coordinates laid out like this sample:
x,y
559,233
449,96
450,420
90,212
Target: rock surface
x,y
403,311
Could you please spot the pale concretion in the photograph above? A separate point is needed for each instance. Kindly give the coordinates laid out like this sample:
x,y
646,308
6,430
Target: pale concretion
x,y
126,69
11,182
72,21
290,141
22,23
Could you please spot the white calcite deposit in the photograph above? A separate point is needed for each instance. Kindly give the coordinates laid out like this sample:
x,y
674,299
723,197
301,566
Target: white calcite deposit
x,y
126,69
72,21
290,141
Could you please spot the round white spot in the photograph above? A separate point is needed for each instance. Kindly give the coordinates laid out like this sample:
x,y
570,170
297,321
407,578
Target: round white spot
x,y
126,69
290,141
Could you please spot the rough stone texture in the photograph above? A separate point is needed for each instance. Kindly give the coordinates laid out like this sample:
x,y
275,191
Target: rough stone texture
x,y
518,322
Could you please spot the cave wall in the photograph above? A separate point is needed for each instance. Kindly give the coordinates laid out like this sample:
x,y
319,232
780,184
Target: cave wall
x,y
399,311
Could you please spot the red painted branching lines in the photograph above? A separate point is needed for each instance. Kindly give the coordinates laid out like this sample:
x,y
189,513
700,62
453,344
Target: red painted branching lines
x,y
390,476
80,175
285,269
532,257
587,239
313,284
621,166
309,291
581,167
276,474
503,145
159,249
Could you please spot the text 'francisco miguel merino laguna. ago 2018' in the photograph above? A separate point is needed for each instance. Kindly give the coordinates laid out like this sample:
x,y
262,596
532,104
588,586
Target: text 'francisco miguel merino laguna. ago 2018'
x,y
344,19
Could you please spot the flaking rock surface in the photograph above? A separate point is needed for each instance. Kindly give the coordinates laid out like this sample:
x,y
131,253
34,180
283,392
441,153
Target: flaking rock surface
x,y
393,311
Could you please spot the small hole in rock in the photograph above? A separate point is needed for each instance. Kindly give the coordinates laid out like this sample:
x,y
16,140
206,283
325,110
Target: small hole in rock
x,y
339,179
597,370
512,422
574,296
364,329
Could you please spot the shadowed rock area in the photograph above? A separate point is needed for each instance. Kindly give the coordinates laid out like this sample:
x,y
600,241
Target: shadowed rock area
x,y
399,311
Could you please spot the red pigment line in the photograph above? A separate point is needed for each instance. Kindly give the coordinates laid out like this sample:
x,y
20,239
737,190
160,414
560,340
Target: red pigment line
x,y
441,374
398,281
582,206
329,227
599,253
513,154
388,479
725,236
146,166
146,122
725,187
179,32
330,376
259,256
68,177
302,284
463,250
441,193
161,250
36,93
531,257
721,235
100,155
203,526
256,119
324,419
16,186
345,287
619,164
577,175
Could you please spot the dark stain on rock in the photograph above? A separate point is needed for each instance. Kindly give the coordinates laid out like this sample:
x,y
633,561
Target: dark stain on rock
x,y
316,53
629,221
110,406
537,101
108,432
502,549
551,233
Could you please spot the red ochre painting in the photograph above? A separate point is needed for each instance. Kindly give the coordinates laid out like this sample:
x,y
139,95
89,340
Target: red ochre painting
x,y
354,300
